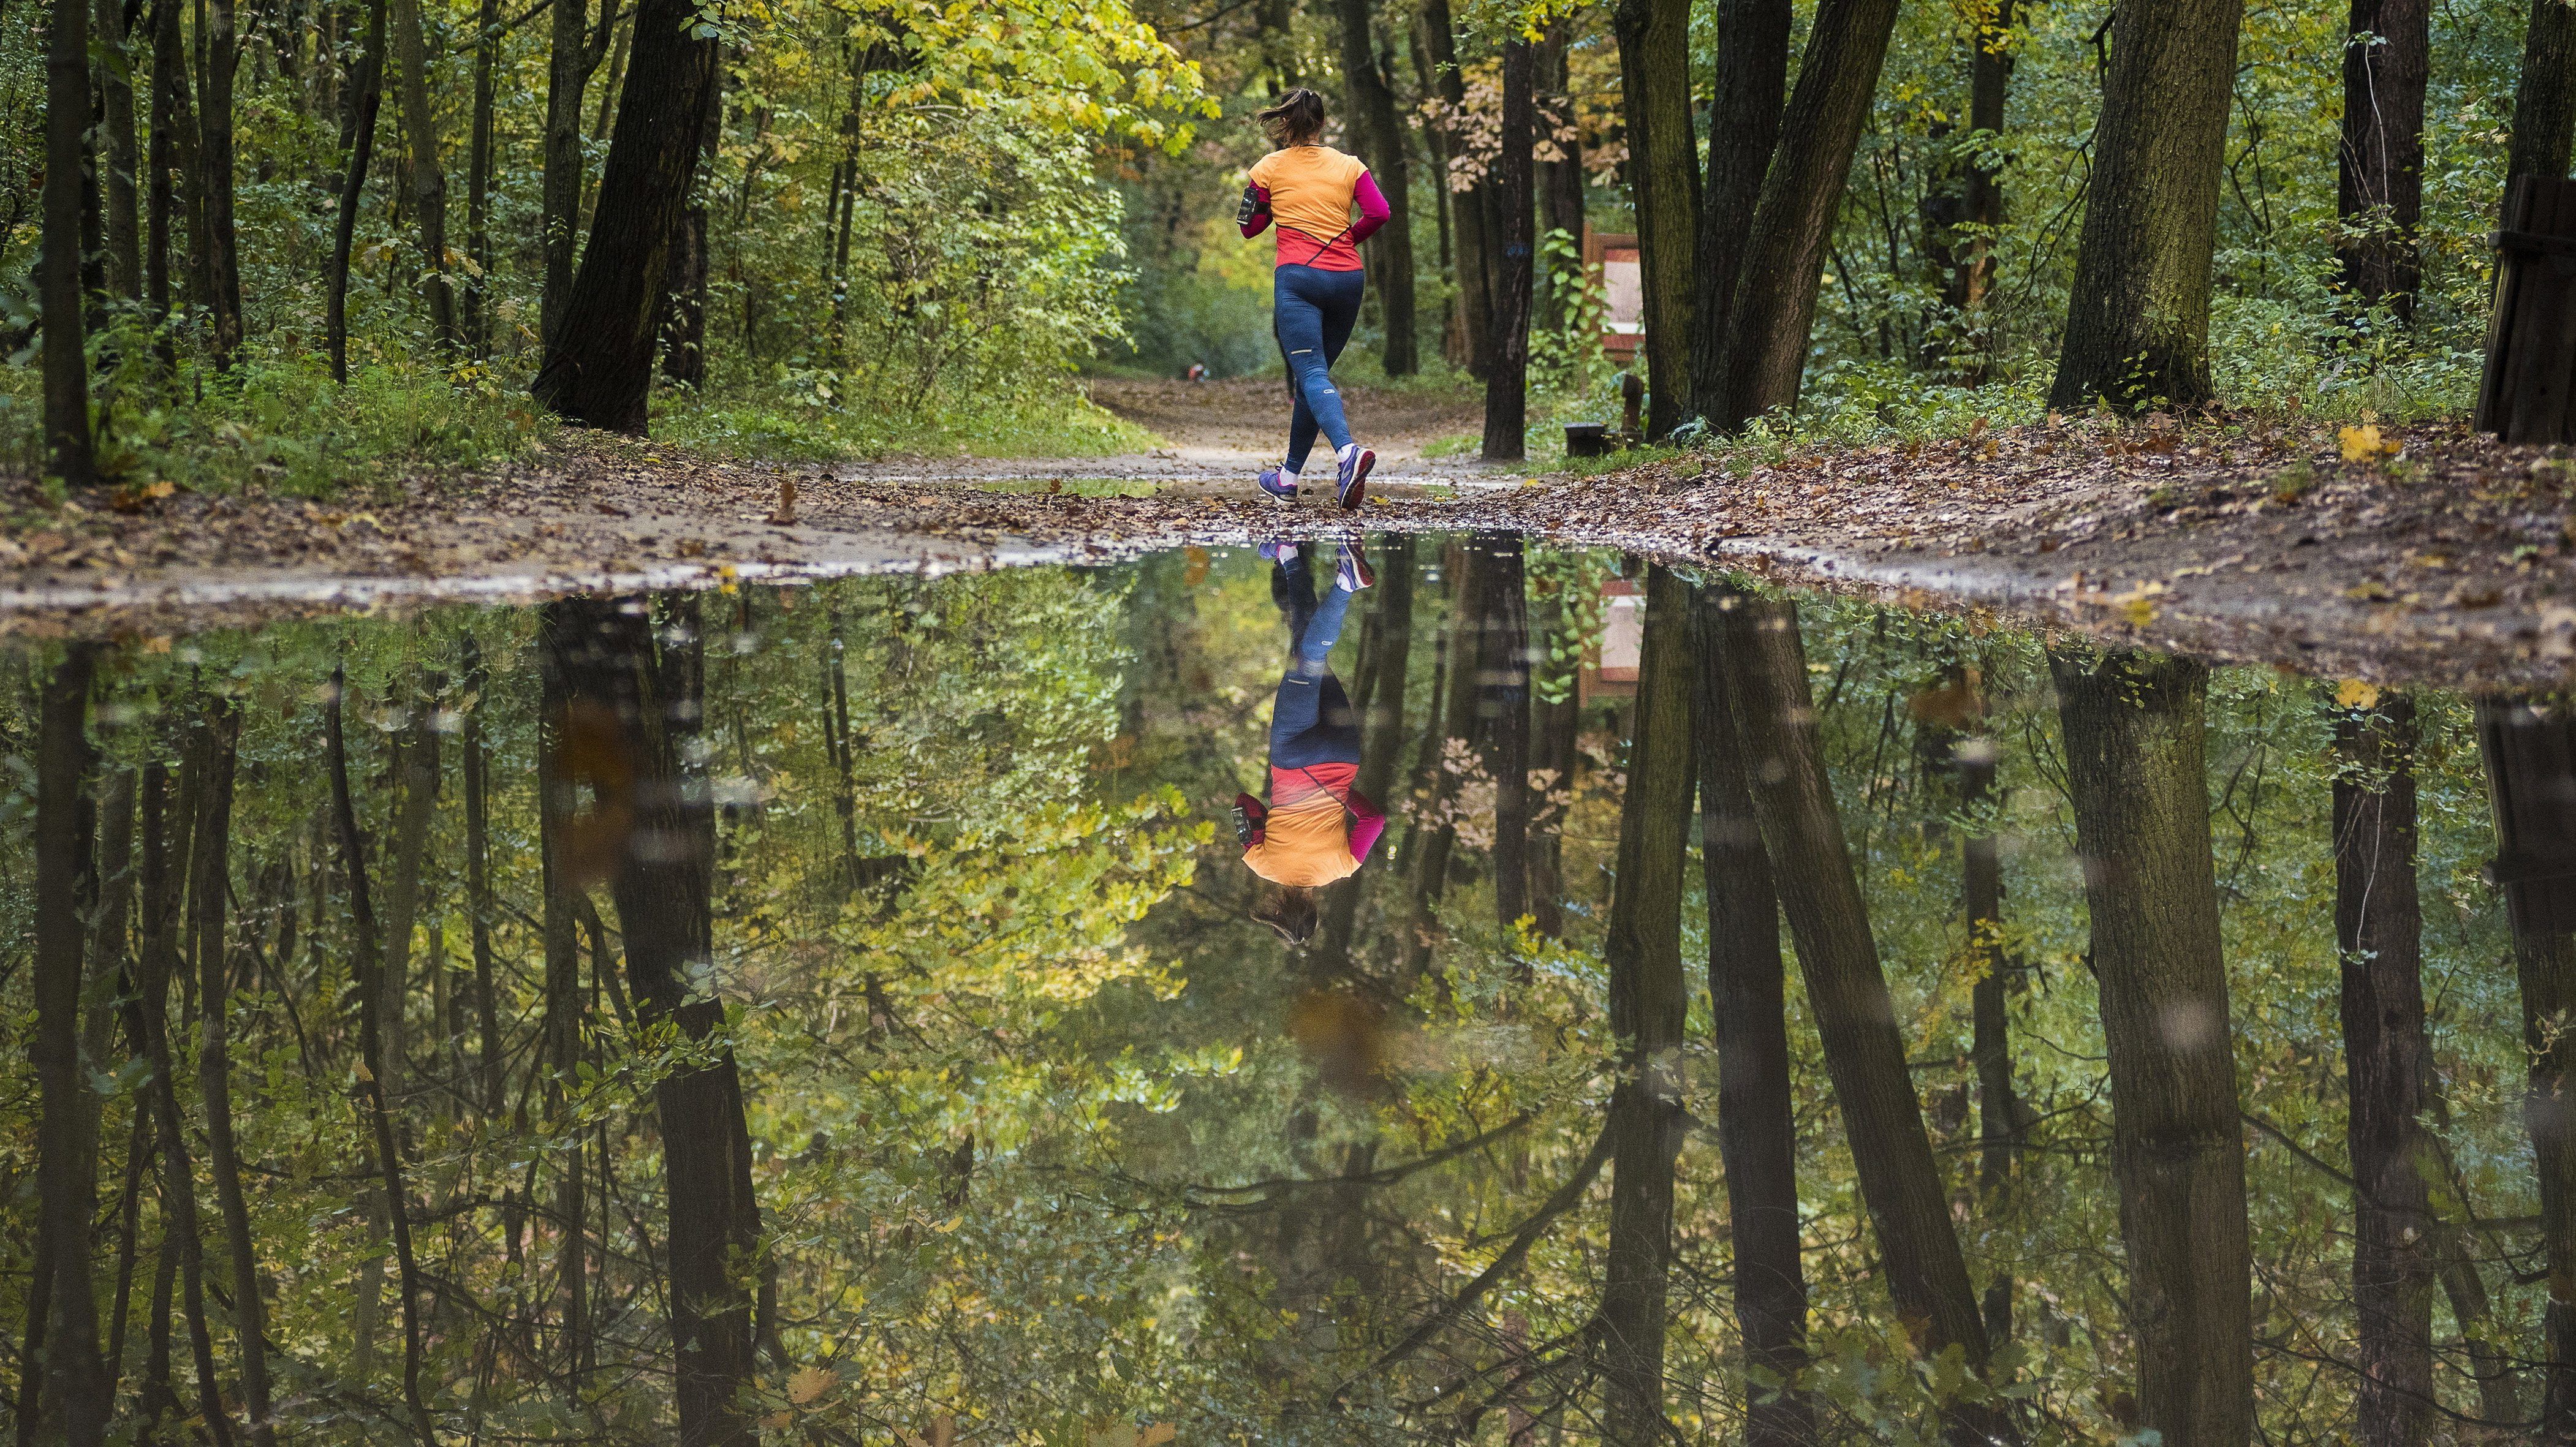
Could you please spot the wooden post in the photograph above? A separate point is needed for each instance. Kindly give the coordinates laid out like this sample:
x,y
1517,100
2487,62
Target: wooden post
x,y
2531,332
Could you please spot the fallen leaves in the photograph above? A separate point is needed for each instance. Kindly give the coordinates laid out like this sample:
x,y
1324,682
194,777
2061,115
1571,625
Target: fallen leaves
x,y
2354,693
2364,443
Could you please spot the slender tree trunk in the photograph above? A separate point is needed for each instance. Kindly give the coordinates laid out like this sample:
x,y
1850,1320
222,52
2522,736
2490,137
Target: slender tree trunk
x,y
2137,318
684,328
2379,185
599,366
367,968
1783,256
1560,149
2000,1118
116,86
1649,1002
562,1025
2530,752
1380,136
607,662
1453,717
159,162
478,878
1990,67
1757,1128
129,1222
208,891
576,53
1663,180
222,256
1437,46
367,91
2135,770
1503,709
1900,1182
75,1378
476,322
2544,100
68,445
428,179
1507,384
2379,928
2499,1385
1744,124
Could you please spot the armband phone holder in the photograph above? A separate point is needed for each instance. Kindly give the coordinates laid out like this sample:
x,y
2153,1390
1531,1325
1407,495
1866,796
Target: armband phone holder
x,y
1252,206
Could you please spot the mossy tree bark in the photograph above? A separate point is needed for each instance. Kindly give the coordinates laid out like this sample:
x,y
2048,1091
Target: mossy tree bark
x,y
1648,1004
1663,181
2137,318
2135,767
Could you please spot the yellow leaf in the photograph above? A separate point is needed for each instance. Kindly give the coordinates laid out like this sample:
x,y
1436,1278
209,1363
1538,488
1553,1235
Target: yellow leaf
x,y
364,1073
2354,693
2360,444
809,1383
779,1421
1157,1435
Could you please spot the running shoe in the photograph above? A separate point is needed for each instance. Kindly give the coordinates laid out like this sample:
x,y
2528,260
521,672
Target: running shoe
x,y
1279,482
1277,550
1352,572
1352,465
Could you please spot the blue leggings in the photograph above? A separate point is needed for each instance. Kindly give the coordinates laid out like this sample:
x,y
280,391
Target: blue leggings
x,y
1311,314
1311,721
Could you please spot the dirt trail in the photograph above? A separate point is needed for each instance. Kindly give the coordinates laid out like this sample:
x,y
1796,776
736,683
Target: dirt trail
x,y
2436,559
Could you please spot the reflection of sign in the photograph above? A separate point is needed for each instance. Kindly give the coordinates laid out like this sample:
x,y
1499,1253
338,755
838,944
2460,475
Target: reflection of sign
x,y
1611,672
1613,259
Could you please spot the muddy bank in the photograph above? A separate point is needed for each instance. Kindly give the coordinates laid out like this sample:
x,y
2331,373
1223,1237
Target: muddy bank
x,y
2446,560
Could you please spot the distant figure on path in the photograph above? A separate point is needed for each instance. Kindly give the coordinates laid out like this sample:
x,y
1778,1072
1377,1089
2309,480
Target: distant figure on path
x,y
1318,827
1198,371
1309,189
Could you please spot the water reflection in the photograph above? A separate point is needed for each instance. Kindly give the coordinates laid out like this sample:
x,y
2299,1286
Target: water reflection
x,y
849,1014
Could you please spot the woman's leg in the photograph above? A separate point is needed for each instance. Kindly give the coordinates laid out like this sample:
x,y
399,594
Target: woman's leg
x,y
1299,326
1292,590
1317,296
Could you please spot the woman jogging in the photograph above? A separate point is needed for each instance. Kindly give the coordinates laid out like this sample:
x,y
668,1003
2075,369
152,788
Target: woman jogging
x,y
1309,189
1318,827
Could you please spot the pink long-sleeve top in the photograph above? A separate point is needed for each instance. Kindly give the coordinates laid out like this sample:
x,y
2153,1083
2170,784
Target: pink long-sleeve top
x,y
1309,191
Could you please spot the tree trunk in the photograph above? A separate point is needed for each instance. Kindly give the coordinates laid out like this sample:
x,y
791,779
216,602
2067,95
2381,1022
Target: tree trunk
x,y
368,972
1774,309
1561,179
1507,384
2379,186
1900,1183
684,326
1757,1128
606,660
478,877
1752,80
211,866
222,256
574,56
560,1045
476,322
1437,52
599,366
2000,1113
66,883
427,177
160,161
1663,180
1453,717
162,880
2544,100
68,445
1649,1002
1379,133
116,87
1277,23
2379,929
1503,715
367,96
2135,770
2530,753
2137,318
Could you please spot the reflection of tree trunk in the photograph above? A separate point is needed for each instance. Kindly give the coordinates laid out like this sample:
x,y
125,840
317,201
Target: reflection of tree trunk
x,y
1455,718
1648,1004
2379,926
2135,769
1503,716
211,857
836,739
368,972
1766,667
1757,1129
2001,1117
1386,643
650,702
561,1028
478,876
2490,1364
75,1378
2530,754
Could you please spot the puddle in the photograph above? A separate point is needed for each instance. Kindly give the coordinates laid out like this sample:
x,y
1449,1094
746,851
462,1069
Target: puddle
x,y
867,973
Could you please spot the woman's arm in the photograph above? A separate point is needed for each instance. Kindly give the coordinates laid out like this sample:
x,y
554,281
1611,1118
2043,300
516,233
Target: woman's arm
x,y
1260,221
1373,208
1367,822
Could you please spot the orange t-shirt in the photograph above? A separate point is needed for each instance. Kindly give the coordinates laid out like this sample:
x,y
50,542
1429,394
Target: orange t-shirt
x,y
1311,190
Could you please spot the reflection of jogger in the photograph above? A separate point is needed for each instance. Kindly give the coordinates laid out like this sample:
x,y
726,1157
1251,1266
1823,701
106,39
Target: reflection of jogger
x,y
1317,827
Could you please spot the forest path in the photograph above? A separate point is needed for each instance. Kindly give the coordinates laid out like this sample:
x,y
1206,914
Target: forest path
x,y
1219,433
